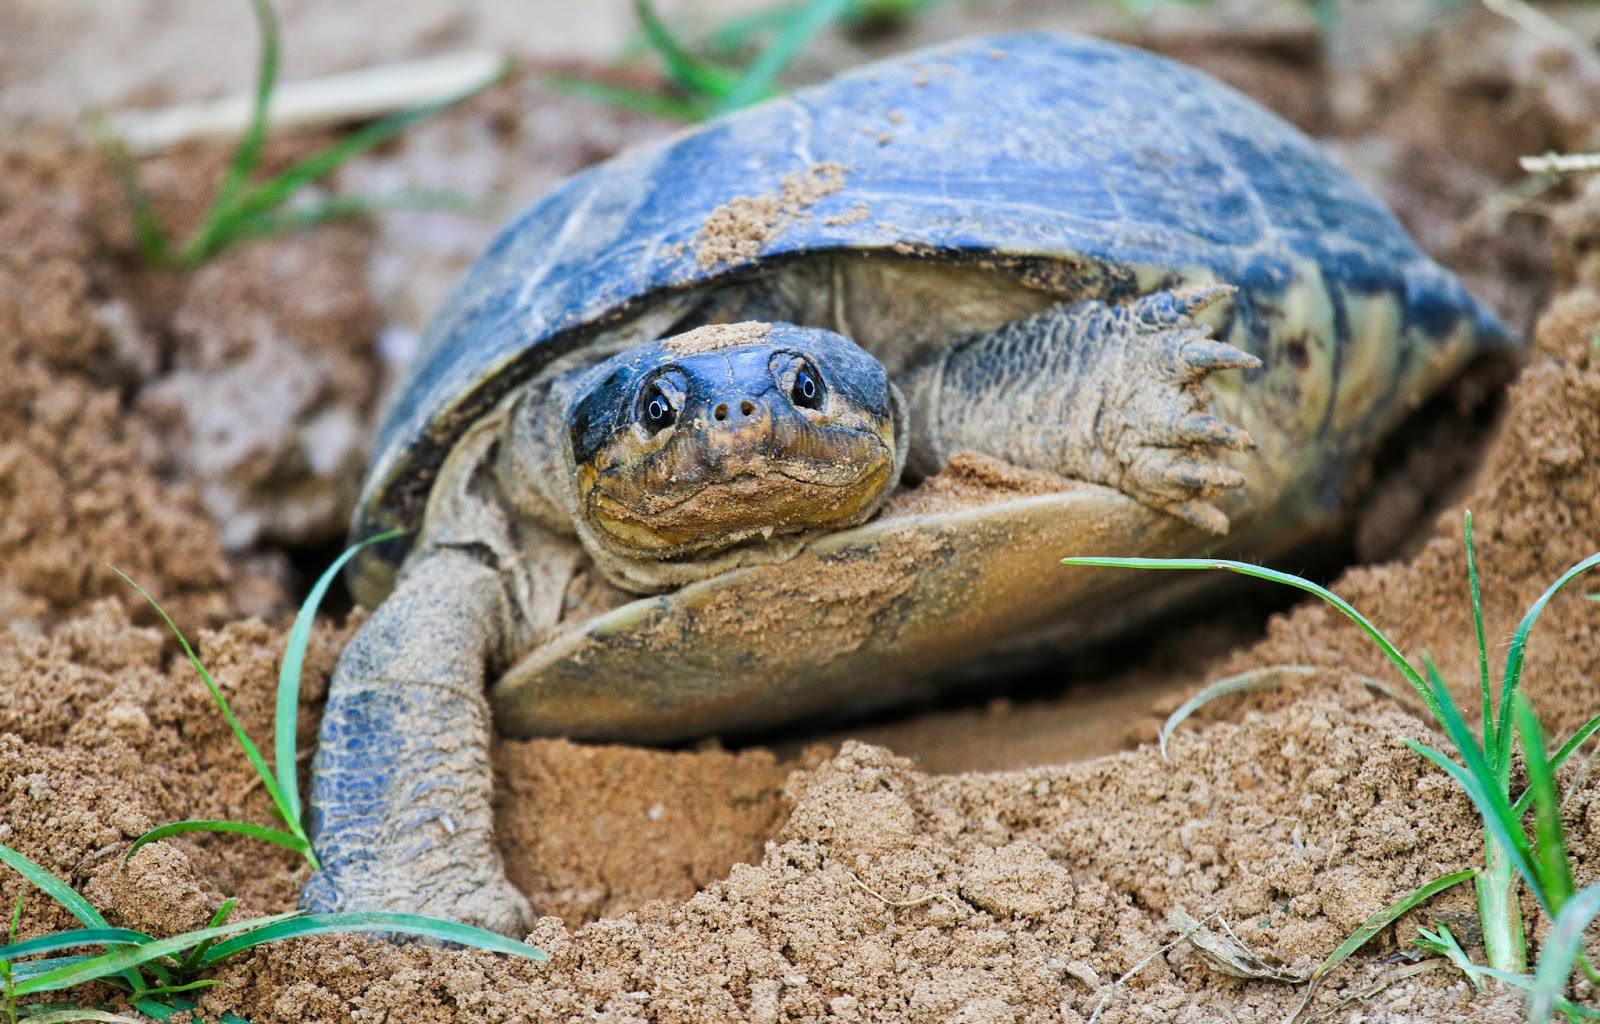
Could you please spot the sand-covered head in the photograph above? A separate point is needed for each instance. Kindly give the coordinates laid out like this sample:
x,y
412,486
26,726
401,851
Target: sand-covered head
x,y
729,434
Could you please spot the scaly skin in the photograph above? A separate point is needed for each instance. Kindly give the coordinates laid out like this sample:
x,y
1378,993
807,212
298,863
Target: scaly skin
x,y
1106,394
402,814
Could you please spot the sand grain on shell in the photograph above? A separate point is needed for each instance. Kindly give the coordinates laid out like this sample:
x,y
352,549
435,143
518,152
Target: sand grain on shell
x,y
739,229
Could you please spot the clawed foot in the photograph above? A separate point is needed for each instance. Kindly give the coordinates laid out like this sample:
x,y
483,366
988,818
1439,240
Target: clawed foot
x,y
1158,439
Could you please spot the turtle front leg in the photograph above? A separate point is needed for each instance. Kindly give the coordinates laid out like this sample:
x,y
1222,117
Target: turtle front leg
x,y
1108,394
402,786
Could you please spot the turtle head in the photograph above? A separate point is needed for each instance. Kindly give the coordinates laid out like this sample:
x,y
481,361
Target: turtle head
x,y
730,434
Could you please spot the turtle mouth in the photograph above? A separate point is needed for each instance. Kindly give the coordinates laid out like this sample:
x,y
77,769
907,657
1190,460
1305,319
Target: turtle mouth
x,y
709,504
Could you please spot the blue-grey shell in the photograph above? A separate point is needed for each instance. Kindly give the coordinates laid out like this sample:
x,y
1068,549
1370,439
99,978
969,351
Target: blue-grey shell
x,y
1002,148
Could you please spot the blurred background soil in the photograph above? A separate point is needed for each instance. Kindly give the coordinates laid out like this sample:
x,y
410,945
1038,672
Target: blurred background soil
x,y
1000,856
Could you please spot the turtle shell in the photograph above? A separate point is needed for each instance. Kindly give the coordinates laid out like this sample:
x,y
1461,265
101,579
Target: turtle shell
x,y
1017,151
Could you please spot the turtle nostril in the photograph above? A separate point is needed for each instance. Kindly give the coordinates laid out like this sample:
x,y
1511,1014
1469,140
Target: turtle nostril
x,y
721,411
747,407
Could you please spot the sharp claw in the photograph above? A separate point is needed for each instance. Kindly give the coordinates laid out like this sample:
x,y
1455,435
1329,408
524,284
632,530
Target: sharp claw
x,y
1164,309
1204,355
1202,514
1200,296
1204,428
1203,475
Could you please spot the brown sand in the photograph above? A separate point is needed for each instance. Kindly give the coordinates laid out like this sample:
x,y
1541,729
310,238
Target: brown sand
x,y
972,478
709,886
713,337
80,475
738,230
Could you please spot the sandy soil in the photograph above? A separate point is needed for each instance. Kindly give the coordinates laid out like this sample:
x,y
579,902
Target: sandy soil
x,y
160,422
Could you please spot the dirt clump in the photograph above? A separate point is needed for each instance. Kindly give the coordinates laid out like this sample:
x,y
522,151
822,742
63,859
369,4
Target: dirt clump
x,y
107,732
970,479
739,229
713,337
267,406
80,478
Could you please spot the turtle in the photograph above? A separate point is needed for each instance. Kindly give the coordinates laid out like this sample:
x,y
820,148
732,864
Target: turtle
x,y
795,411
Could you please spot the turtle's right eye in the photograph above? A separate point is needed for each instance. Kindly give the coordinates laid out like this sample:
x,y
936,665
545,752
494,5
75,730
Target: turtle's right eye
x,y
658,413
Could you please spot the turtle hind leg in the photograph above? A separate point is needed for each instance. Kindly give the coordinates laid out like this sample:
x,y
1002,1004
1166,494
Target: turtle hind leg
x,y
402,786
1111,395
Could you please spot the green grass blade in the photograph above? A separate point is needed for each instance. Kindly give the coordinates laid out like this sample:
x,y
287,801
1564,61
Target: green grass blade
x,y
1486,722
275,191
161,1011
159,969
793,37
147,230
1513,673
178,989
1508,839
1561,949
1550,838
1564,1006
638,101
72,939
248,155
53,887
1558,759
243,828
737,33
191,960
1443,943
1455,722
1575,741
34,968
69,1016
1488,793
277,222
1387,916
250,751
123,959
287,712
690,74
1262,573
404,924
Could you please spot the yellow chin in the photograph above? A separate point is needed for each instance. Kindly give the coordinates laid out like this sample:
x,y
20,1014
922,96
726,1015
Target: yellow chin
x,y
721,514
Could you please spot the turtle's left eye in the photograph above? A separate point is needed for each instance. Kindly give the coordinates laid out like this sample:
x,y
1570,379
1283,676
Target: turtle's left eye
x,y
807,389
658,411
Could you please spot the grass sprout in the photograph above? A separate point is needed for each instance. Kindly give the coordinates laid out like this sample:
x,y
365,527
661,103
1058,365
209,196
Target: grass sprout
x,y
1514,854
281,782
703,83
242,208
156,974
705,79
